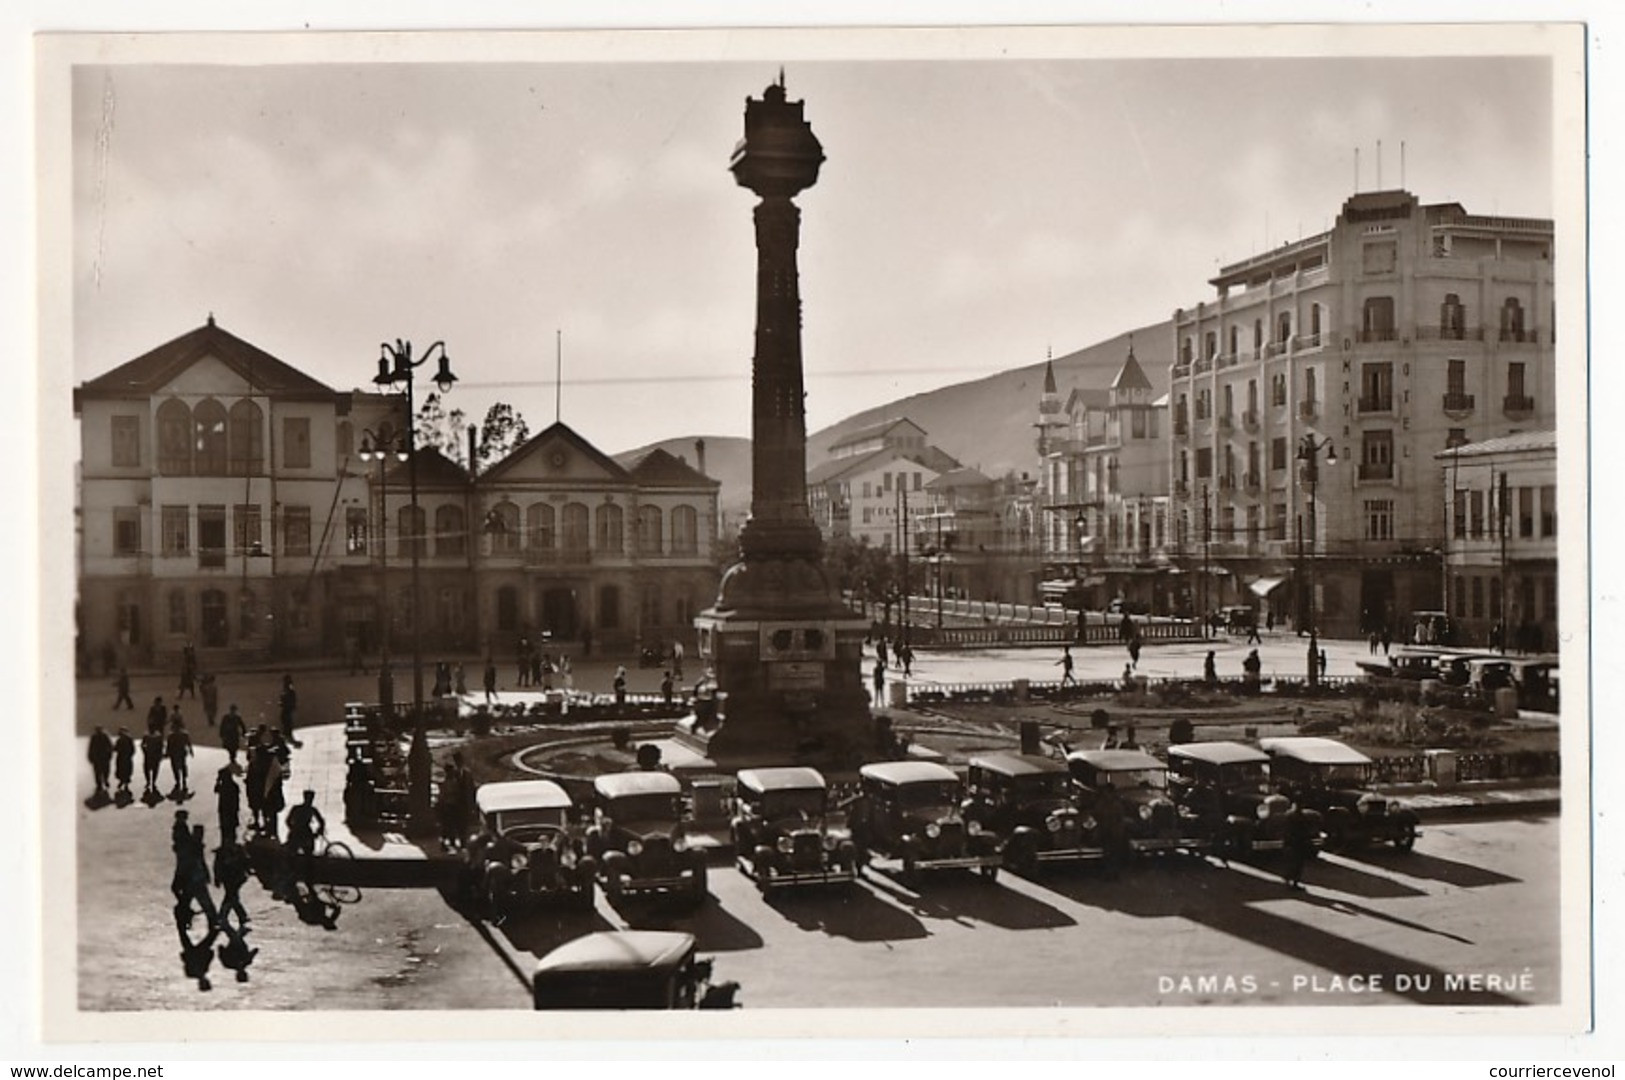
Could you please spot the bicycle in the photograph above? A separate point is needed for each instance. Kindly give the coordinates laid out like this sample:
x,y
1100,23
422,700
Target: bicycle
x,y
339,853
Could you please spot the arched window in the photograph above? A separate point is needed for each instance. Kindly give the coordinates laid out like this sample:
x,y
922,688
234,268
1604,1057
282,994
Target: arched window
x,y
247,439
1452,318
504,528
1314,324
174,438
539,526
611,530
651,531
1258,335
209,421
409,529
575,527
1283,327
685,532
450,531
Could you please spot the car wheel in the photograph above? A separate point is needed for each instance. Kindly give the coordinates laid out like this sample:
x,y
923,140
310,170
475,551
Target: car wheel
x,y
1406,840
586,897
991,873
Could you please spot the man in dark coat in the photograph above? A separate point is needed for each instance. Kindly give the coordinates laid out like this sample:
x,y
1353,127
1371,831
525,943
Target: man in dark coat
x,y
1300,845
490,680
230,801
100,753
123,688
211,698
123,760
231,733
152,756
178,747
157,716
288,704
231,874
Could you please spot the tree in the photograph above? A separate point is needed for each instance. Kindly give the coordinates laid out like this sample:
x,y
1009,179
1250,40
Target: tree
x,y
503,431
441,429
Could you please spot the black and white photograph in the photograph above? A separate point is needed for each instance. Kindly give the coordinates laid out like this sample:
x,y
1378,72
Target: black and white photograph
x,y
981,531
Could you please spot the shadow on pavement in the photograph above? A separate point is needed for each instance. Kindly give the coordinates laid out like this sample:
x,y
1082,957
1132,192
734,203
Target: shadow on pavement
x,y
1165,887
713,927
1418,865
850,911
967,898
1340,876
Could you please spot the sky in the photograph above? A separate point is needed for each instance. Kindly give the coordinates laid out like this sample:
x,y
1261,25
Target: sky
x,y
971,216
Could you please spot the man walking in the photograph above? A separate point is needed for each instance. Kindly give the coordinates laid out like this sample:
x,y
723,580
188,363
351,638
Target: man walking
x,y
231,874
1252,633
677,661
1067,678
123,688
620,684
880,683
101,759
152,756
490,680
231,733
288,703
188,672
229,800
123,761
211,698
178,747
157,716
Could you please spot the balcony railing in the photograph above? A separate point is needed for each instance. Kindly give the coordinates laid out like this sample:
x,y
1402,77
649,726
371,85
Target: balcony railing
x,y
1227,483
1275,348
1375,403
1308,409
1228,360
557,556
1182,426
1306,341
1516,337
1518,405
1251,480
211,558
1249,420
1449,333
1227,422
1376,470
1458,403
1203,365
1368,337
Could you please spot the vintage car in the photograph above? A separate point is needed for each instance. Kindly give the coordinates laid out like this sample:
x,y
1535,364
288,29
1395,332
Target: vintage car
x,y
910,811
1408,665
785,832
638,837
527,852
1333,779
1431,628
1237,619
1152,822
1028,802
1537,682
1225,786
628,969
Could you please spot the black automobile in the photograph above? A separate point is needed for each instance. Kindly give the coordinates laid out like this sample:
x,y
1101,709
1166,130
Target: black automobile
x,y
629,969
1334,779
527,852
1135,785
1226,788
910,811
786,833
1030,803
639,838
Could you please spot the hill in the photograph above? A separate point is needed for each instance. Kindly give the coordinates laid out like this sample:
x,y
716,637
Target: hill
x,y
988,423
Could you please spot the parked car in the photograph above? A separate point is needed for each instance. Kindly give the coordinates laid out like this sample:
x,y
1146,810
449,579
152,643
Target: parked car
x,y
1237,619
1410,665
910,811
639,838
1487,674
527,852
1226,787
1334,779
1152,822
1431,628
628,969
785,832
1028,802
1537,681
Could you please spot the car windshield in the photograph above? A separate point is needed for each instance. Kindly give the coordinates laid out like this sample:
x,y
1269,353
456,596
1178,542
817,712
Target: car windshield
x,y
1245,775
1341,775
1127,779
928,793
807,802
508,820
652,807
1039,787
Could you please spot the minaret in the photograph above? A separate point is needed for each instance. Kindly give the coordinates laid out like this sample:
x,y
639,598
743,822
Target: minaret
x,y
1049,409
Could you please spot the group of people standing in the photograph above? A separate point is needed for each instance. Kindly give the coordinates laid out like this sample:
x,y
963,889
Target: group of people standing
x,y
901,654
536,669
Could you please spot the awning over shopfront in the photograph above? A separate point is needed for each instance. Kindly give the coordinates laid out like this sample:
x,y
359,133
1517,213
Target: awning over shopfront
x,y
1265,585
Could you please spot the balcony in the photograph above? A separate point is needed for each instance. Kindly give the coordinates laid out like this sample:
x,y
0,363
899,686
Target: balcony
x,y
1518,406
1458,403
1182,370
1182,488
1251,480
1228,360
1203,366
211,558
1376,403
1376,470
1227,422
1275,348
1449,333
1227,482
1182,427
1517,337
1305,342
1249,419
1371,337
1308,410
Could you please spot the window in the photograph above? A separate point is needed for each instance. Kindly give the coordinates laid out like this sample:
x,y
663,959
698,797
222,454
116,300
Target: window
x,y
1455,382
1314,324
1309,385
1278,390
177,611
885,481
1210,345
1458,515
868,515
1512,320
1278,521
1283,327
1185,352
410,525
1229,401
1379,519
296,442
649,605
209,423
575,527
1452,318
611,532
539,518
1548,511
868,489
1136,425
211,536
609,607
1526,513
1380,257
1475,511
1184,466
450,608
174,438
916,481
345,439
355,530
246,439
1258,336
1252,396
1252,462
1204,462
1515,380
1377,319
651,531
175,530
1478,597
685,538
296,530
126,530
507,608
503,525
1459,591
451,533
126,436
1278,453
246,526
1377,455
1376,387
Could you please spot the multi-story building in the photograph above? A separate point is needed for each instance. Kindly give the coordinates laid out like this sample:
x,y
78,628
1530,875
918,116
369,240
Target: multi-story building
x,y
1104,483
225,501
873,482
1403,329
1501,539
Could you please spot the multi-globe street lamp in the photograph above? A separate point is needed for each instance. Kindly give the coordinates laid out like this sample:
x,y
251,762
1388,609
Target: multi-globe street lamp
x,y
377,448
1309,449
395,369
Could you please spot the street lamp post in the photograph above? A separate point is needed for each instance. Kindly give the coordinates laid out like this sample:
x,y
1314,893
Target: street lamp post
x,y
1309,449
375,448
1207,577
395,368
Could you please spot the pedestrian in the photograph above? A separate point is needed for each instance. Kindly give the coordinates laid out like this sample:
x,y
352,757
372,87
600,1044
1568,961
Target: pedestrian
x,y
1387,640
1128,678
231,733
547,672
231,874
586,640
122,685
288,704
1210,669
620,684
152,755
1134,652
100,753
259,762
211,698
567,673
178,748
1253,667
1065,662
524,661
192,881
228,801
538,668
1269,621
906,654
157,716
188,672
460,685
666,687
677,660
1299,837
273,800
880,651
305,824
1252,632
880,683
490,680
123,760
1322,662
442,679
452,806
